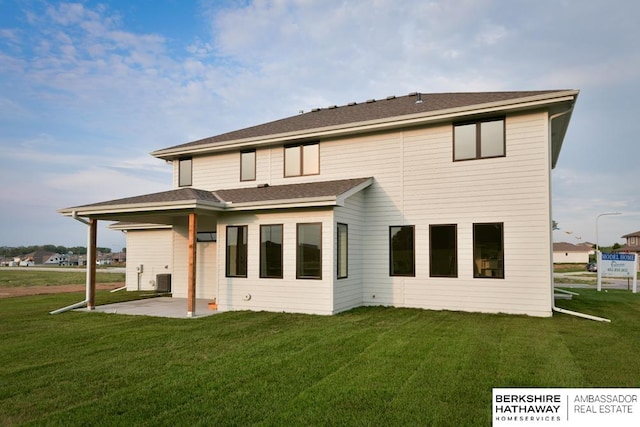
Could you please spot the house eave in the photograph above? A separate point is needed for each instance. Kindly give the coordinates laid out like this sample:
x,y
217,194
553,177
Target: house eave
x,y
138,226
309,202
299,202
156,207
387,123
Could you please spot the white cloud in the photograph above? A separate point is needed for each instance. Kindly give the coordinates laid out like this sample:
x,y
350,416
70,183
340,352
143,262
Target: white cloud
x,y
106,94
492,35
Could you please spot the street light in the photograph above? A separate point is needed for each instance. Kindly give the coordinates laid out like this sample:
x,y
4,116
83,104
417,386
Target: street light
x,y
599,282
597,218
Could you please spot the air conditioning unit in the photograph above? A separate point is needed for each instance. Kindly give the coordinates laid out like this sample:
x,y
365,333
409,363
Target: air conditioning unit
x,y
163,282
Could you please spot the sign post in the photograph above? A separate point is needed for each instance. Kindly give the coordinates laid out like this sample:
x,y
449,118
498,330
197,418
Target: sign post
x,y
617,265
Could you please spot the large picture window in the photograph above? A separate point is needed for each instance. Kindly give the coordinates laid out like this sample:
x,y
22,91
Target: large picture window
x,y
184,172
488,250
271,251
479,140
309,251
303,159
248,165
402,253
342,252
443,252
236,251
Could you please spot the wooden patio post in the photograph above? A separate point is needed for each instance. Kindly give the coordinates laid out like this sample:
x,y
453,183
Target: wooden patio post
x,y
191,273
91,262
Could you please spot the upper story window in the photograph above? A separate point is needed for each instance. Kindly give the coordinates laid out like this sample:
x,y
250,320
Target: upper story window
x,y
248,165
478,140
184,172
302,159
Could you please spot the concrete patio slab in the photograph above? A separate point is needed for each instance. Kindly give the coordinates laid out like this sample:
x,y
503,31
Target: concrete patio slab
x,y
159,307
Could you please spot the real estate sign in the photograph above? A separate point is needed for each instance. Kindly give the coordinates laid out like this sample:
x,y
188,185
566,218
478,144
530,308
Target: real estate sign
x,y
617,265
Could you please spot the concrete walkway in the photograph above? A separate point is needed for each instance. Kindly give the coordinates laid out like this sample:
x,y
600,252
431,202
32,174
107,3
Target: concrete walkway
x,y
159,307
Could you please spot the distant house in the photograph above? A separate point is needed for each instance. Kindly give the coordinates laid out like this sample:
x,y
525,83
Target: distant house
x,y
119,257
38,257
564,253
56,259
76,260
26,262
632,244
436,201
8,262
103,259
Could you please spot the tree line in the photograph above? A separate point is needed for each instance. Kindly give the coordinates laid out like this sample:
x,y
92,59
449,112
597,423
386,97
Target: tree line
x,y
9,251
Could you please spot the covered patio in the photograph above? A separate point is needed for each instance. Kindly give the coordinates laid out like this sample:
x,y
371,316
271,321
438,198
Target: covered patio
x,y
185,205
157,307
194,210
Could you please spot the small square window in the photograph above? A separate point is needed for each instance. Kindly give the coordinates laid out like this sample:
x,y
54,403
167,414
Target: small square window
x,y
303,159
479,140
206,236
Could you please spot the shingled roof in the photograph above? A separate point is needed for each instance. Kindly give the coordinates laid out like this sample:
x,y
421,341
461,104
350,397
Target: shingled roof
x,y
179,195
570,247
371,110
289,192
636,234
228,198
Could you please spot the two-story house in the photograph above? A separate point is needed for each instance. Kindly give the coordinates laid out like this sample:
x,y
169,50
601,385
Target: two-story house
x,y
435,201
632,244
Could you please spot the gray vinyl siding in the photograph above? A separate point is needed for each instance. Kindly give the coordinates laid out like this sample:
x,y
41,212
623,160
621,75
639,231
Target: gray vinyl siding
x,y
348,291
153,250
416,182
206,265
287,294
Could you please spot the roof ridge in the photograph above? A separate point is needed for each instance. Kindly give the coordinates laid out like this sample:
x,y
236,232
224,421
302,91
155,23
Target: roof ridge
x,y
421,94
353,113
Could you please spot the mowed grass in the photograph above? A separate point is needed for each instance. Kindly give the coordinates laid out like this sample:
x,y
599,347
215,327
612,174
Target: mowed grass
x,y
570,268
368,366
26,277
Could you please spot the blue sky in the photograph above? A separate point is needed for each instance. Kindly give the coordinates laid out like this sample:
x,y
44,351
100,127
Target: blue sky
x,y
89,88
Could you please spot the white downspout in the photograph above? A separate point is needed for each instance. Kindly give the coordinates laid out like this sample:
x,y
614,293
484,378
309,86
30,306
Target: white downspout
x,y
88,278
553,300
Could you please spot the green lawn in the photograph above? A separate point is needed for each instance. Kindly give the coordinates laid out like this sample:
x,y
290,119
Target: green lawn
x,y
26,277
369,366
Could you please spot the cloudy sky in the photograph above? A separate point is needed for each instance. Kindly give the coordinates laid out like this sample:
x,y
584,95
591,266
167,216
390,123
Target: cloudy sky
x,y
88,89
